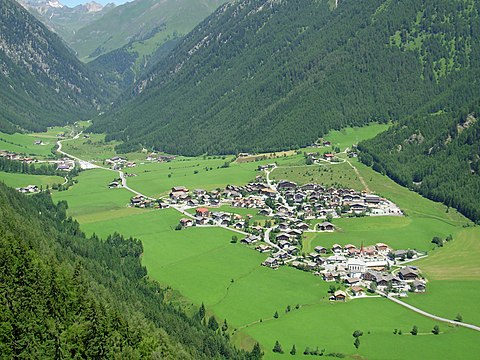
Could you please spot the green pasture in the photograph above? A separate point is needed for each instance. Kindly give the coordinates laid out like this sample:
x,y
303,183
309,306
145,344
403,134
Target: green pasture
x,y
397,231
353,135
453,272
340,175
330,326
92,148
91,199
155,179
22,180
24,144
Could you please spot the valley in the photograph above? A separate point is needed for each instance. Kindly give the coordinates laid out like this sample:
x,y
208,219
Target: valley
x,y
203,266
240,179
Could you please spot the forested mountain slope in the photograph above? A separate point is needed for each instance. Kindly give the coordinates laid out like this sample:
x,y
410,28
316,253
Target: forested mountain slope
x,y
436,155
64,295
42,81
263,75
436,150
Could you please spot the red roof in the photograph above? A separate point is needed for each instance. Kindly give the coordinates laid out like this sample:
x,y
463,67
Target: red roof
x,y
202,210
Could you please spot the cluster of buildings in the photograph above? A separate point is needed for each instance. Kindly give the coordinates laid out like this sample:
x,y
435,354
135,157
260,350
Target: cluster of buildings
x,y
357,268
316,201
65,164
9,155
118,163
30,189
160,158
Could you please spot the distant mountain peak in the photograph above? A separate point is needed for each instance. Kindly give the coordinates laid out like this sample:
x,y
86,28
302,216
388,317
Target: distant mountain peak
x,y
55,4
93,6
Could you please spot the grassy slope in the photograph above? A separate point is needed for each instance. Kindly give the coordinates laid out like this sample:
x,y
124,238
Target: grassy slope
x,y
21,180
346,137
201,264
24,144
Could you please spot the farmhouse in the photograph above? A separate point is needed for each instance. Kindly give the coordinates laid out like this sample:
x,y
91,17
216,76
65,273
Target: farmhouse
x,y
202,212
285,184
320,249
418,286
340,295
326,226
186,222
408,273
28,189
357,291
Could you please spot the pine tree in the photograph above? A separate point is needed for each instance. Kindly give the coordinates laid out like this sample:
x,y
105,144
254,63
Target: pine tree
x,y
277,348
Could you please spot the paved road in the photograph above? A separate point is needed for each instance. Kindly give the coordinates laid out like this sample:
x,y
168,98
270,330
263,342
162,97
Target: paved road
x,y
266,238
431,316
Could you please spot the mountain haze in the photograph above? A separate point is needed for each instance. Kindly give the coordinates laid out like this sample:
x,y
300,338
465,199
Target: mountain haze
x,y
63,20
148,23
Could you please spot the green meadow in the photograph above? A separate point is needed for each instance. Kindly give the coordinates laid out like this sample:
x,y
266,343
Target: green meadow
x,y
22,180
93,147
25,144
156,179
340,175
453,272
202,265
346,137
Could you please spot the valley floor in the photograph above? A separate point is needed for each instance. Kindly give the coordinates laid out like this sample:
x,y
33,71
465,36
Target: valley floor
x,y
202,265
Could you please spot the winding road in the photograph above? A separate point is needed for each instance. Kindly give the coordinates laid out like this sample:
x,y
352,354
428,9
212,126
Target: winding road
x,y
431,316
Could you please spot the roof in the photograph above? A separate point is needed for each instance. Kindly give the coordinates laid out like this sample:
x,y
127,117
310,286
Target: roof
x,y
340,293
202,210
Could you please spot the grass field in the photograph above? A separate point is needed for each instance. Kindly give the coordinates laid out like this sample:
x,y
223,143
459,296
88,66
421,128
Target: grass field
x,y
204,266
91,200
346,137
454,278
397,231
157,179
24,144
340,175
92,148
22,180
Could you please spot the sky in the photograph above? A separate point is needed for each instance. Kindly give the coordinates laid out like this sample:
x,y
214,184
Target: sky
x,y
72,3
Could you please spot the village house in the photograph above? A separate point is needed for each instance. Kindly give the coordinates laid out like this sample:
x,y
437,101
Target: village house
x,y
339,295
326,226
249,240
186,222
337,248
285,184
320,249
202,212
114,185
28,189
357,291
263,248
271,263
408,273
418,286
